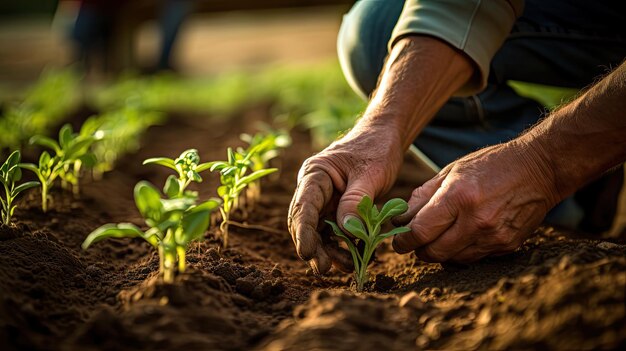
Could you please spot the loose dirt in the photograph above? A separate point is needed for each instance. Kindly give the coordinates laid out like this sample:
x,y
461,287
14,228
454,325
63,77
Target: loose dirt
x,y
559,291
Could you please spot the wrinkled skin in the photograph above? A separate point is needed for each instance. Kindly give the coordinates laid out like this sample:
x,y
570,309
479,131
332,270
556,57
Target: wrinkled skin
x,y
335,180
486,203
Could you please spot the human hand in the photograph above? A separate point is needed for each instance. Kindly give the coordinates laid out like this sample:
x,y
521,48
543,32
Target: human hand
x,y
486,203
364,162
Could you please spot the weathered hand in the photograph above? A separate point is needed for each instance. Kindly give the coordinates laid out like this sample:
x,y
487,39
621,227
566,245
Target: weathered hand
x,y
488,202
362,163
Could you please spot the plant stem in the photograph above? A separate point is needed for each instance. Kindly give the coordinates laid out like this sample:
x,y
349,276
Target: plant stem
x,y
224,225
44,196
182,263
6,219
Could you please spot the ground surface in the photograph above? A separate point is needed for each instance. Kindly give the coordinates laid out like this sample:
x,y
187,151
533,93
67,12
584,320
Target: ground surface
x,y
558,291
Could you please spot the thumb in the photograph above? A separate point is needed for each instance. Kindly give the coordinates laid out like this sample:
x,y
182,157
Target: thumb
x,y
355,190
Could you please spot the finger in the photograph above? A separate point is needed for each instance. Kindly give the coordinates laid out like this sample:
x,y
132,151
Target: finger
x,y
428,224
341,258
447,245
355,190
419,198
312,194
321,263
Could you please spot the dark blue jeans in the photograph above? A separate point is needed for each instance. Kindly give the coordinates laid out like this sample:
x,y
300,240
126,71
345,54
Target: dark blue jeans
x,y
538,50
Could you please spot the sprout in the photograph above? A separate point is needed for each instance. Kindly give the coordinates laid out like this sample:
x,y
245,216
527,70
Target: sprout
x,y
234,179
10,174
367,232
187,166
173,224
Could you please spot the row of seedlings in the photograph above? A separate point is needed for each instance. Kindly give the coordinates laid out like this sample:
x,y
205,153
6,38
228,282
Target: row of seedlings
x,y
177,217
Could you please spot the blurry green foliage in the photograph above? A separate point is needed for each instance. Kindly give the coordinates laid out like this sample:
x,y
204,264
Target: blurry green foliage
x,y
44,105
549,96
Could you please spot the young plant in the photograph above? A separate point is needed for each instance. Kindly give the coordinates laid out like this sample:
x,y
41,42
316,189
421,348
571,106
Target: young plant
x,y
187,166
267,145
72,152
47,170
10,174
366,232
173,224
234,179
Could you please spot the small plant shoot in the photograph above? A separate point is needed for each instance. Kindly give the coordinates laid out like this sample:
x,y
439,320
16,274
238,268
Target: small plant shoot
x,y
267,146
71,153
187,167
173,224
234,179
366,232
10,174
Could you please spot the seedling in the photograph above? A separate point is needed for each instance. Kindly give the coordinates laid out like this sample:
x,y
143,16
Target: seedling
x,y
172,225
10,174
267,145
187,166
366,232
47,171
72,152
234,180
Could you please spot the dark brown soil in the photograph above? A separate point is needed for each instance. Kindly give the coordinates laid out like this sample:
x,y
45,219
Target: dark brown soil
x,y
559,291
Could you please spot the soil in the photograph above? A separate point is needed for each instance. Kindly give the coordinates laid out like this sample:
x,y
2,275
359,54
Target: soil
x,y
559,291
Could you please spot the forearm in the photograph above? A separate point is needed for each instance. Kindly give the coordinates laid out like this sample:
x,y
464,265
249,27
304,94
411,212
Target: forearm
x,y
585,138
420,75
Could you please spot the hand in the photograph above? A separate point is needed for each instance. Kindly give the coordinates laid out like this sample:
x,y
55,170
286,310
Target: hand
x,y
488,202
365,162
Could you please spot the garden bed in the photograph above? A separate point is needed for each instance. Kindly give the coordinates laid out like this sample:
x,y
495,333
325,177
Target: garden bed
x,y
558,291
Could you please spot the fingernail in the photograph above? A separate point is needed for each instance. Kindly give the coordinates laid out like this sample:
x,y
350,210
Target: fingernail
x,y
348,217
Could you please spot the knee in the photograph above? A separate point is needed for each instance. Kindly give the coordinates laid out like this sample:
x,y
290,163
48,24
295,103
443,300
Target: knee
x,y
362,42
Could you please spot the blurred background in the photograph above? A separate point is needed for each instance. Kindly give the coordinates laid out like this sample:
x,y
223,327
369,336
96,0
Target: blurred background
x,y
60,59
144,36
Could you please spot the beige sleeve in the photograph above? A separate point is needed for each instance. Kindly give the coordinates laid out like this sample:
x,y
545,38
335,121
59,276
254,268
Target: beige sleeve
x,y
476,27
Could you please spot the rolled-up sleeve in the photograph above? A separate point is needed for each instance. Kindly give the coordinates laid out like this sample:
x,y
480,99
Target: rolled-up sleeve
x,y
476,27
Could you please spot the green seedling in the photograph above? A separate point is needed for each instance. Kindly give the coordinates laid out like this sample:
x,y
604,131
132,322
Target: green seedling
x,y
10,174
366,232
173,224
267,146
47,171
187,166
72,152
234,179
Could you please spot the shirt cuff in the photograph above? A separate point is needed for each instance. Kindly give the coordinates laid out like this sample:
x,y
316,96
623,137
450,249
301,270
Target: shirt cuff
x,y
476,27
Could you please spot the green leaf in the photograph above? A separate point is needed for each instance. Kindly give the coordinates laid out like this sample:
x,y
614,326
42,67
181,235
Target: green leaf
x,y
395,231
14,159
195,223
171,188
210,205
148,201
44,160
45,142
163,161
25,186
356,228
364,208
14,174
204,166
222,190
122,230
231,156
65,136
78,148
256,175
89,160
391,209
29,166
